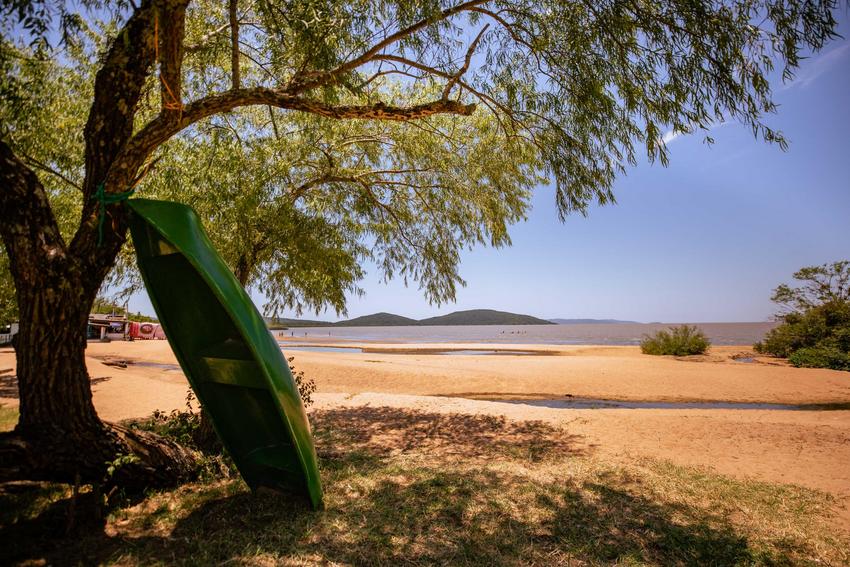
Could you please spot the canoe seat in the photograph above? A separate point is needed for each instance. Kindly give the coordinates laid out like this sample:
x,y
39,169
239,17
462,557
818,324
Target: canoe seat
x,y
245,419
275,457
235,372
230,348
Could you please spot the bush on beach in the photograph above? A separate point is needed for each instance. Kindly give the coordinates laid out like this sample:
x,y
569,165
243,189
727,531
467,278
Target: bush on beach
x,y
826,326
820,357
683,340
815,329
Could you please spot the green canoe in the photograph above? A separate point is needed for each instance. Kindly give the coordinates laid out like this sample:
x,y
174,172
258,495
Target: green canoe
x,y
236,368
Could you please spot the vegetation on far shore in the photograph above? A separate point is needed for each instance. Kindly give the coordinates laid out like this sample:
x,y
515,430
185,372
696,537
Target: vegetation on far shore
x,y
403,486
815,329
683,340
104,305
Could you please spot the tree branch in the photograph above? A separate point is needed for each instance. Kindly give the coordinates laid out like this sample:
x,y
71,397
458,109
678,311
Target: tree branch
x,y
46,168
484,98
234,46
274,123
29,229
171,21
159,130
505,24
202,44
387,210
117,88
456,77
318,79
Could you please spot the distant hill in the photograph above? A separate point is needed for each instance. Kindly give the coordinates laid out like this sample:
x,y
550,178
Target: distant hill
x,y
471,317
378,320
586,321
484,317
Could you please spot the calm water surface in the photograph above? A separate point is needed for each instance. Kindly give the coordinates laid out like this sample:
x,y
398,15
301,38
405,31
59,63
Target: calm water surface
x,y
591,403
584,334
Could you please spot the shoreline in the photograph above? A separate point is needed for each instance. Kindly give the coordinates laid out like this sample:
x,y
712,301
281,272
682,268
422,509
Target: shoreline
x,y
534,372
577,334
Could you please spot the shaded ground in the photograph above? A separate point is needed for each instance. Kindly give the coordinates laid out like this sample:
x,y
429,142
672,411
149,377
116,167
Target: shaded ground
x,y
9,385
412,487
385,431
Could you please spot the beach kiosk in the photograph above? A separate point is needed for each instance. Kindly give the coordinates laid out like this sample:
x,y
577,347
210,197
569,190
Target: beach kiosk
x,y
108,327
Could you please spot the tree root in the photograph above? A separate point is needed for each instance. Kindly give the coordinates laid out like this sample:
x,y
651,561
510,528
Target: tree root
x,y
116,456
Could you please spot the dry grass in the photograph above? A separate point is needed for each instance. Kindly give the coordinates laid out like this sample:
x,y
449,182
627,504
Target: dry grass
x,y
405,487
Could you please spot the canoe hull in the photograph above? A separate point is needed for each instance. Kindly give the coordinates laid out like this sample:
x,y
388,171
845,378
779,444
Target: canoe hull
x,y
235,367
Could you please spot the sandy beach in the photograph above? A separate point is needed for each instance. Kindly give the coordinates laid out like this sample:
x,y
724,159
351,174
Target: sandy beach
x,y
809,448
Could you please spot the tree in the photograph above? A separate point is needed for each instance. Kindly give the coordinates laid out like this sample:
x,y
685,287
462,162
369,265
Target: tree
x,y
823,284
290,209
286,208
815,328
578,85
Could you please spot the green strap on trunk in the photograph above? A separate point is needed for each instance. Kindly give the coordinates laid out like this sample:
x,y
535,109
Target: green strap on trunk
x,y
103,198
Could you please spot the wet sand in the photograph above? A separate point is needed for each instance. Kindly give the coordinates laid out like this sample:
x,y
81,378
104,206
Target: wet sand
x,y
809,448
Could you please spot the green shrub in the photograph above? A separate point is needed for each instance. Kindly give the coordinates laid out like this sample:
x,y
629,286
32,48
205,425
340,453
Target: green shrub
x,y
815,329
826,326
816,338
820,357
679,341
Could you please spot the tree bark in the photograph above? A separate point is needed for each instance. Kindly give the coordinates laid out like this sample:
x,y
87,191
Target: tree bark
x,y
59,435
55,396
205,437
235,81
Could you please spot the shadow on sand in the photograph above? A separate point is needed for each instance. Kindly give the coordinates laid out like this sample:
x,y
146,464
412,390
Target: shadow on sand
x,y
9,385
403,487
384,431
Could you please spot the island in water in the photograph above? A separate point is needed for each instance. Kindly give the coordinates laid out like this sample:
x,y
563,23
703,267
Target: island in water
x,y
469,317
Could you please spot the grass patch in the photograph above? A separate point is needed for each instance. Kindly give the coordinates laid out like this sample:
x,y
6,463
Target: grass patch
x,y
8,418
407,487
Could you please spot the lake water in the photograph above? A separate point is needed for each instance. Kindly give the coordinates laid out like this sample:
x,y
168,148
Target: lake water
x,y
356,350
590,403
583,334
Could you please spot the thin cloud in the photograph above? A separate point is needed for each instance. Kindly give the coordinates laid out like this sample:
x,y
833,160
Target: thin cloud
x,y
672,135
807,74
812,69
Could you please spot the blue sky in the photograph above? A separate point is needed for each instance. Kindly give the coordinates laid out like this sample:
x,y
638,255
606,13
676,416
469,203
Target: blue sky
x,y
705,239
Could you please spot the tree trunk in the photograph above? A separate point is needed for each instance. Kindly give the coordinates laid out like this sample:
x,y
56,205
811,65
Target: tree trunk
x,y
59,434
205,437
55,394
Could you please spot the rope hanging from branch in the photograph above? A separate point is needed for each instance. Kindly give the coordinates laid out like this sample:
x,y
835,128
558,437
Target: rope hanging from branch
x,y
103,199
